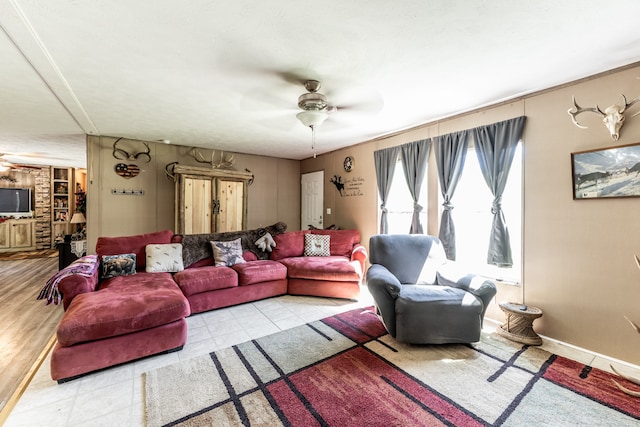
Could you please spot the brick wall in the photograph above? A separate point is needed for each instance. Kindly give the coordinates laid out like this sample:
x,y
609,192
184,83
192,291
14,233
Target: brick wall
x,y
43,208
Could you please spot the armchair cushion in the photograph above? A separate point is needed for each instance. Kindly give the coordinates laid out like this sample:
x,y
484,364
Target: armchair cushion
x,y
451,274
419,260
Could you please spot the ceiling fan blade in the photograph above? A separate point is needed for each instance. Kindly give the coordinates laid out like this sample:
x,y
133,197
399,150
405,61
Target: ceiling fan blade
x,y
6,156
21,166
295,77
281,123
369,106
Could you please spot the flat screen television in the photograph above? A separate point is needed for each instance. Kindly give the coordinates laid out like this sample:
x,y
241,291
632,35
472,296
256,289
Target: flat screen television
x,y
15,202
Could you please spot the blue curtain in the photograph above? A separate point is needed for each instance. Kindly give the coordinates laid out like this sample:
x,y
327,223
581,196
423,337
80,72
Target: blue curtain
x,y
385,162
495,147
415,156
451,152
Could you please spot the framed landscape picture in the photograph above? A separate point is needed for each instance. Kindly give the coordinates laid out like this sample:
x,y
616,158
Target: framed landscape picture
x,y
606,173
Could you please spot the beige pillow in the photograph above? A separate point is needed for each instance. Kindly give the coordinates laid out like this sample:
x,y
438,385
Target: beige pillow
x,y
165,257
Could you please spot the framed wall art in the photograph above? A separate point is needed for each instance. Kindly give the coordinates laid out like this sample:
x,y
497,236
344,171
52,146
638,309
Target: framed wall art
x,y
606,173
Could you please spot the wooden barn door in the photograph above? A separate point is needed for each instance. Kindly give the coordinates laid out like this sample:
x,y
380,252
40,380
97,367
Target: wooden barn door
x,y
197,205
230,209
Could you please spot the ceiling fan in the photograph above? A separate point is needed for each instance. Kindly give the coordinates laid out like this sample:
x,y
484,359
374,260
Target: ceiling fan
x,y
316,108
314,105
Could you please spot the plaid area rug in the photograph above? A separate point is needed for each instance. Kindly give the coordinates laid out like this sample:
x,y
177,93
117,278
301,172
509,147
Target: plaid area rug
x,y
346,370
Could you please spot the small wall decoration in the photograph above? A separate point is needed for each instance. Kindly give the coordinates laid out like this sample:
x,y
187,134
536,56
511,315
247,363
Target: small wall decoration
x,y
348,164
127,171
606,173
127,192
120,154
348,188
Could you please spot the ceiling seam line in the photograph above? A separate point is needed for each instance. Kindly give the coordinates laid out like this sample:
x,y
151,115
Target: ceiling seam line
x,y
53,65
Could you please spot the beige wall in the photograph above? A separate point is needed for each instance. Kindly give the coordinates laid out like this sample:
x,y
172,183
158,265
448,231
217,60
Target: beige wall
x,y
274,195
578,255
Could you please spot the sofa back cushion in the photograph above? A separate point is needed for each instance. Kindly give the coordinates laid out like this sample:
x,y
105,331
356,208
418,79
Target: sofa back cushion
x,y
291,243
341,241
132,244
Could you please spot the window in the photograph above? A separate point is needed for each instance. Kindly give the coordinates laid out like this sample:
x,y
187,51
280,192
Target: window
x,y
400,203
472,215
472,218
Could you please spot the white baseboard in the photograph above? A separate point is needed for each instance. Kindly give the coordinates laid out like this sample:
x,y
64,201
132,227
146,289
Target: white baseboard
x,y
612,360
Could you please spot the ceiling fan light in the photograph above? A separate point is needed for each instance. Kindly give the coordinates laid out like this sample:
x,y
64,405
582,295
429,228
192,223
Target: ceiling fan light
x,y
311,118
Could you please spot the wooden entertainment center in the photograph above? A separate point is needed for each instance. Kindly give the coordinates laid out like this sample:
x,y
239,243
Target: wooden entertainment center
x,y
18,235
54,193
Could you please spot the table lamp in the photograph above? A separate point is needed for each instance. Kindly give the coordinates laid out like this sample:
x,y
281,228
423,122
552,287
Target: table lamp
x,y
79,219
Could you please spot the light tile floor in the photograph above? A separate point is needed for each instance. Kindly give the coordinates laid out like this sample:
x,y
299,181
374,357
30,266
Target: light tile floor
x,y
114,397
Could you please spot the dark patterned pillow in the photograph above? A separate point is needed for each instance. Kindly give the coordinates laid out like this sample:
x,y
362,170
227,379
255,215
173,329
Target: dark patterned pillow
x,y
118,265
227,253
317,245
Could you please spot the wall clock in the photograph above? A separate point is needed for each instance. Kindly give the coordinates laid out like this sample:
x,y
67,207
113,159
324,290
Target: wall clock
x,y
348,163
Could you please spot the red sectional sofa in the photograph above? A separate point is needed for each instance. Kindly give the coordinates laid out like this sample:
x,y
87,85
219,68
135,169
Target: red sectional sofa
x,y
127,317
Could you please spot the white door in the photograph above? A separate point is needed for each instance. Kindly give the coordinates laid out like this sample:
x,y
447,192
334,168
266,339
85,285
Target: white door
x,y
312,199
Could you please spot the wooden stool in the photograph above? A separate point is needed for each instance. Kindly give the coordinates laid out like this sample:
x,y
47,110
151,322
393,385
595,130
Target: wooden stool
x,y
519,324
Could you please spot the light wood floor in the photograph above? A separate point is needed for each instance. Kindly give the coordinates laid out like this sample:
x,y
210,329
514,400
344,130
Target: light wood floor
x,y
26,324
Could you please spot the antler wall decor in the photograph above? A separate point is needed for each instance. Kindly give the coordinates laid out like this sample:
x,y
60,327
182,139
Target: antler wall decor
x,y
612,116
121,154
168,171
627,377
226,161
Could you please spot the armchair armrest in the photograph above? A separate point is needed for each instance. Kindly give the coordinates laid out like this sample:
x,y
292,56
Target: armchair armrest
x,y
359,253
379,279
384,288
450,274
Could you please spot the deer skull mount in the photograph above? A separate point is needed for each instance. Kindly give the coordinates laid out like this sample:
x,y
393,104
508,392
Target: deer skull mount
x,y
612,116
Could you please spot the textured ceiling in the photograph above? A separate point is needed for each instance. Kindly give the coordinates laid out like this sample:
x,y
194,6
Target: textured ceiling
x,y
226,74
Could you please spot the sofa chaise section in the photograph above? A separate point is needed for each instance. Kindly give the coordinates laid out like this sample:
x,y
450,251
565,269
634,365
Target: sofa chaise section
x,y
123,318
337,275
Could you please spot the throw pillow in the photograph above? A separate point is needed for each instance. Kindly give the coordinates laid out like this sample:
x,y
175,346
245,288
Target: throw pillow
x,y
118,265
164,258
227,253
316,245
131,245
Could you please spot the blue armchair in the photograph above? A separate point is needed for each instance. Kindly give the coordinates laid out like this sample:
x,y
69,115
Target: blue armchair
x,y
421,297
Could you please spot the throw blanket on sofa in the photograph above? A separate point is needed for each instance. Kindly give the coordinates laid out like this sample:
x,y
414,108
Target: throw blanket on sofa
x,y
196,247
85,266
